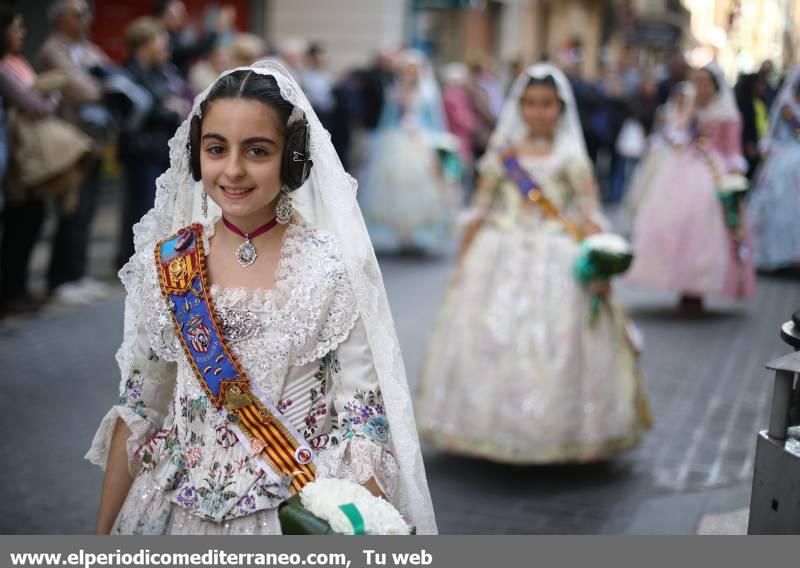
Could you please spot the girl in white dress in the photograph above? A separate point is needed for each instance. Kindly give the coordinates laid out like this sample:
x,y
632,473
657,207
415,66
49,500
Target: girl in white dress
x,y
293,289
516,371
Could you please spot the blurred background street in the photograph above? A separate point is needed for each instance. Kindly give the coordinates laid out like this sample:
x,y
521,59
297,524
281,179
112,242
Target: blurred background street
x,y
61,305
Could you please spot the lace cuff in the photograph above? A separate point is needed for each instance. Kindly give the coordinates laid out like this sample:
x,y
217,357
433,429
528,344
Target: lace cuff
x,y
358,460
141,431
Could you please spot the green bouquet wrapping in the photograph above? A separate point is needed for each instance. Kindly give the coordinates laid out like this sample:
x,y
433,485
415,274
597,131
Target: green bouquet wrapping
x,y
446,146
337,506
602,257
731,189
296,519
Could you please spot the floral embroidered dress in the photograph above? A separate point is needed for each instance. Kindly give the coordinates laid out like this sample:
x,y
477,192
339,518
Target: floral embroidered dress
x,y
515,373
303,344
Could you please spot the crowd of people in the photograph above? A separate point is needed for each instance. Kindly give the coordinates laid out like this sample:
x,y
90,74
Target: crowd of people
x,y
63,114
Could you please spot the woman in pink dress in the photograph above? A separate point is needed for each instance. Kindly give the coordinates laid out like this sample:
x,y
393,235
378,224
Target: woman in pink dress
x,y
681,235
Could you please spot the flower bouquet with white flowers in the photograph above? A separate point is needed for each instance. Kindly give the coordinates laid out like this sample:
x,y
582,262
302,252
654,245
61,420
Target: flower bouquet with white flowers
x,y
338,506
731,189
602,257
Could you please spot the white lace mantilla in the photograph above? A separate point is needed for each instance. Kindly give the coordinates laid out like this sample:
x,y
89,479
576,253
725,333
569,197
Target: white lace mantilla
x,y
309,312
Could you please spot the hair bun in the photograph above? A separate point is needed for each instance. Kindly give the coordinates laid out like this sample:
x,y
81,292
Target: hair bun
x,y
297,161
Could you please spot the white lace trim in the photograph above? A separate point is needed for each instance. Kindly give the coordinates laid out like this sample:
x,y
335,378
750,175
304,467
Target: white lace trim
x,y
310,311
141,432
358,460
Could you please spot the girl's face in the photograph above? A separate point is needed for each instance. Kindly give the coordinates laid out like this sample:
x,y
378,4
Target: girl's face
x,y
409,74
15,36
241,146
541,109
704,85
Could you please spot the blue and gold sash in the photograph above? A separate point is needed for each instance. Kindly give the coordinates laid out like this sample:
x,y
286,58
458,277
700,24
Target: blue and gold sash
x,y
532,191
280,450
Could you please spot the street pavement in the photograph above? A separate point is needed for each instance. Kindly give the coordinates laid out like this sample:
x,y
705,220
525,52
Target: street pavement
x,y
705,375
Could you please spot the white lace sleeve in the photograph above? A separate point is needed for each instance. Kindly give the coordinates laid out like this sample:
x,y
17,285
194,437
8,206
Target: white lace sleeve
x,y
147,382
366,448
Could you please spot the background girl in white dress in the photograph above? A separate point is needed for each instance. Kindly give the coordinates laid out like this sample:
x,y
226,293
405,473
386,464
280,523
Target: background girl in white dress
x,y
515,371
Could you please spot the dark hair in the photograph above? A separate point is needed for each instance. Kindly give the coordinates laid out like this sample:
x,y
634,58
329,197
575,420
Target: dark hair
x,y
296,162
546,81
315,49
713,76
7,16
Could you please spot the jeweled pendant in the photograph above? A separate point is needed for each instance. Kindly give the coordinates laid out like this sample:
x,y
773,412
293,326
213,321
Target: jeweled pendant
x,y
246,254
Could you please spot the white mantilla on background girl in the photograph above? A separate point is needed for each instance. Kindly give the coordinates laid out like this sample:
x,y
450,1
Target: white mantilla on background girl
x,y
407,198
516,370
685,239
255,311
774,206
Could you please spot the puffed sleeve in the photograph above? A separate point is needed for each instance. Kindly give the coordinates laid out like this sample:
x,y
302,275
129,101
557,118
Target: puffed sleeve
x,y
585,206
365,449
146,389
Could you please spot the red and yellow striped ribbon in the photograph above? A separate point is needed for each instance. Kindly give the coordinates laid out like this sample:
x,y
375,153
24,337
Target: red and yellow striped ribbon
x,y
278,447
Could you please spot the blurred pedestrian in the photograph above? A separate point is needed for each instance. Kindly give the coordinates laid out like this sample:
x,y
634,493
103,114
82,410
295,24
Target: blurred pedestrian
x,y
518,369
292,53
767,72
460,117
751,90
45,156
144,152
246,49
773,208
686,239
375,82
185,49
318,84
481,105
68,50
678,72
461,120
206,70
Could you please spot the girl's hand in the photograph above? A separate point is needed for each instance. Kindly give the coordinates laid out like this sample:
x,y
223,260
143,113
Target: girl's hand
x,y
372,486
589,228
600,288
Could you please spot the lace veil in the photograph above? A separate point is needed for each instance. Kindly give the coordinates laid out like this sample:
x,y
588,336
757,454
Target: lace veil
x,y
511,127
785,98
328,201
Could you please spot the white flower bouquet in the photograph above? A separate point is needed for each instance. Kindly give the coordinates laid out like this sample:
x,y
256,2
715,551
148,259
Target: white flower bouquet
x,y
602,257
731,189
338,506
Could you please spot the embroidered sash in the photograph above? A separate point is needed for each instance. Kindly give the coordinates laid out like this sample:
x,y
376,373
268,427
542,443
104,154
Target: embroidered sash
x,y
279,449
531,190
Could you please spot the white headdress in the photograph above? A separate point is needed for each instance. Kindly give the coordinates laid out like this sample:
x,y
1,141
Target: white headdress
x,y
786,97
511,127
723,105
328,201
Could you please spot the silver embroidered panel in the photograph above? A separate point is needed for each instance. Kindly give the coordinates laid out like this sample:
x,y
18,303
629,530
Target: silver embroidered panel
x,y
238,325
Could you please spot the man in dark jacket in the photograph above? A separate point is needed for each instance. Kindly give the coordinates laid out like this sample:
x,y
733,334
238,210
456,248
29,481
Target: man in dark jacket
x,y
172,14
144,151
